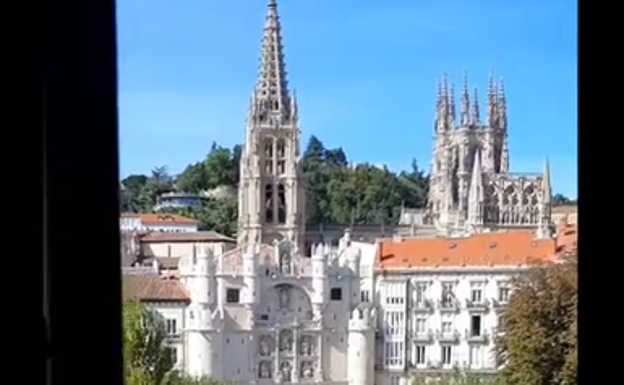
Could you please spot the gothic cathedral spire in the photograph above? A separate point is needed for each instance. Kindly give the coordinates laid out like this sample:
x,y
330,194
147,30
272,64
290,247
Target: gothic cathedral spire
x,y
271,196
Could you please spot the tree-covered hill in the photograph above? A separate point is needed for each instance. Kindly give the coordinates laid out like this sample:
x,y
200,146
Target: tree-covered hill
x,y
336,191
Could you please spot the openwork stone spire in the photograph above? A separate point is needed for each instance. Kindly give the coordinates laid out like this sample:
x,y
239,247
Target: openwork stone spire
x,y
502,106
465,103
271,91
492,103
476,120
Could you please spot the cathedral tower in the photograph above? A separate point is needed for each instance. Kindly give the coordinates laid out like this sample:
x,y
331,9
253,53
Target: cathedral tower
x,y
271,195
457,141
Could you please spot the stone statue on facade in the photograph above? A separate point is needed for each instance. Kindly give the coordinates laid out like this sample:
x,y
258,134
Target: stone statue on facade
x,y
306,346
286,371
265,345
264,370
284,298
307,369
286,341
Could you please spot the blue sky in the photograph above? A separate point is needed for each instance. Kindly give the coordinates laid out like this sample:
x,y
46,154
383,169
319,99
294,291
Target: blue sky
x,y
365,72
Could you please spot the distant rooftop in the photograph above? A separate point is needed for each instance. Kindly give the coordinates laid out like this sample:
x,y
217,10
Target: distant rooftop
x,y
151,288
200,236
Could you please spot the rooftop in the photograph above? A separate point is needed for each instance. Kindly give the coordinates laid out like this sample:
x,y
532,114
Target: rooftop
x,y
491,249
157,219
199,236
152,288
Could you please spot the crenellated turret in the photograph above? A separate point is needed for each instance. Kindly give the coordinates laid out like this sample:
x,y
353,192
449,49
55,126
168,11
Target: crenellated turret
x,y
361,348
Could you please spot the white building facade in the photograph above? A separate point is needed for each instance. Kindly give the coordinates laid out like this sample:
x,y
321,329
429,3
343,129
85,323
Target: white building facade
x,y
440,301
267,315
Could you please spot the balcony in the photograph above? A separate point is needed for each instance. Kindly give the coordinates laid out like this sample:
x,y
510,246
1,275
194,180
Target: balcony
x,y
477,305
452,336
498,305
448,305
481,337
422,306
424,336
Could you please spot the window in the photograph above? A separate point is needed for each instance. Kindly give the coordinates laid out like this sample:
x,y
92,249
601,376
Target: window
x,y
393,353
281,167
232,295
268,203
281,204
475,326
420,294
172,327
446,327
420,354
365,294
447,293
394,323
475,296
395,293
446,355
395,380
336,294
281,148
503,294
268,166
421,324
475,356
173,353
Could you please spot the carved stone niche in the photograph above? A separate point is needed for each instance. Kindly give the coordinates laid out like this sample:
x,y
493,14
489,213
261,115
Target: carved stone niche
x,y
286,341
307,370
265,369
265,345
285,371
306,345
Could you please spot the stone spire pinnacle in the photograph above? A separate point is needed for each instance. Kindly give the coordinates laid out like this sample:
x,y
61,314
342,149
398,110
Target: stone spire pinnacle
x,y
492,102
502,106
272,87
465,103
476,120
452,105
546,182
475,194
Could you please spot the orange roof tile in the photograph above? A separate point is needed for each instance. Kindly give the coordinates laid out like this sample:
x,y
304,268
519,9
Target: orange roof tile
x,y
160,218
490,249
153,288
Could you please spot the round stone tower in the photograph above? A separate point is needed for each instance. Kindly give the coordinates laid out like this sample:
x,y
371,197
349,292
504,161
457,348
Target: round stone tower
x,y
361,347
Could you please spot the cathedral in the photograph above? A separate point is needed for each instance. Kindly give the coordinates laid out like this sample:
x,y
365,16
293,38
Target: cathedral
x,y
279,306
471,187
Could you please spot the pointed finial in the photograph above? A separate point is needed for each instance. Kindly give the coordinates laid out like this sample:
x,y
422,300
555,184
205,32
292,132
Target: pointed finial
x,y
465,102
293,105
502,105
546,182
491,107
475,109
452,104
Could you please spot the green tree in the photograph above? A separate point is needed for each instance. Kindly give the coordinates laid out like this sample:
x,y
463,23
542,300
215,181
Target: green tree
x,y
146,357
561,200
194,178
538,340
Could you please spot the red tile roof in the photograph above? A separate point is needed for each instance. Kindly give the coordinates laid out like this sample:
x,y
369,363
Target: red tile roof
x,y
490,249
200,236
153,288
158,219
